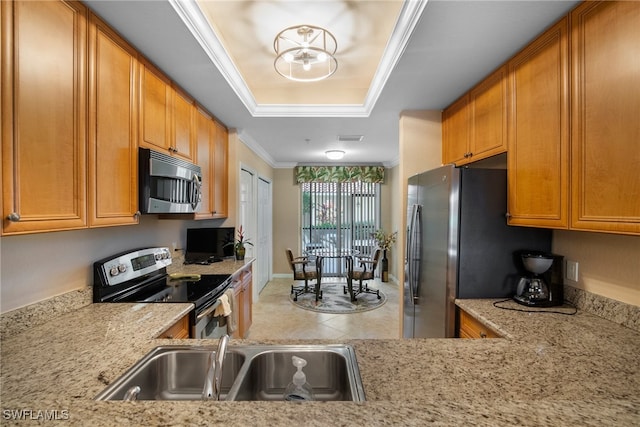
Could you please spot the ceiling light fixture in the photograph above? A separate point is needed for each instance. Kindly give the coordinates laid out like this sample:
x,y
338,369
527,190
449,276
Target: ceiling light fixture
x,y
334,154
305,53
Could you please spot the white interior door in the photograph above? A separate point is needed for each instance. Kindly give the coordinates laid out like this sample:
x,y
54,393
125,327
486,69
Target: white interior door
x,y
264,233
246,210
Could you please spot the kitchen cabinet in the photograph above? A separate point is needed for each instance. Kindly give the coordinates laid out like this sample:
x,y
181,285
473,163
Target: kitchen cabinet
x,y
470,327
538,132
475,126
44,116
205,140
221,172
166,115
605,112
113,128
183,125
179,330
243,291
455,132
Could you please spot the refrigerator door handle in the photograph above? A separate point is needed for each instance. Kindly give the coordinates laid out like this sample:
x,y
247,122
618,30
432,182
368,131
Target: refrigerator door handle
x,y
417,243
413,252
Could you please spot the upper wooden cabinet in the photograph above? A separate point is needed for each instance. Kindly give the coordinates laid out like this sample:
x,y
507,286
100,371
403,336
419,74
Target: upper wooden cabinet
x,y
221,172
455,132
113,130
166,115
605,136
184,126
44,116
205,138
475,126
538,132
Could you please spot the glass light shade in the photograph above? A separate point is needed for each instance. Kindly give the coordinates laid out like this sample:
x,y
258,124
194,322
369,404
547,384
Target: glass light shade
x,y
334,154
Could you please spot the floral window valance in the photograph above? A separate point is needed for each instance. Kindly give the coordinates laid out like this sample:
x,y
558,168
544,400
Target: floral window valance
x,y
340,174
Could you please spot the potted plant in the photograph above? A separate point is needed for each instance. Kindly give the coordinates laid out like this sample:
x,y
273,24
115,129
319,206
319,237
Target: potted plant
x,y
239,244
384,242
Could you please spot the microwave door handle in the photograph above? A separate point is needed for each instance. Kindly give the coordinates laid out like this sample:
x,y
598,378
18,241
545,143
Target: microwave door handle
x,y
195,192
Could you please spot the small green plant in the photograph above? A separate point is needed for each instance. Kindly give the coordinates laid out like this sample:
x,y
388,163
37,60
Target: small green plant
x,y
240,242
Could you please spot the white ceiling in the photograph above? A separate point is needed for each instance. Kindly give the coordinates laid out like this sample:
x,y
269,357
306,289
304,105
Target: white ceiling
x,y
453,45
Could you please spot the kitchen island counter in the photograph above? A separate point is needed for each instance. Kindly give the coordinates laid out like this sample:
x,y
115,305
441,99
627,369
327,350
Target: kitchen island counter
x,y
56,369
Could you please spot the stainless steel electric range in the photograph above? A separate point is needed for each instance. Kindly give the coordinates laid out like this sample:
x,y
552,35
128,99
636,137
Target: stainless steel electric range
x,y
140,275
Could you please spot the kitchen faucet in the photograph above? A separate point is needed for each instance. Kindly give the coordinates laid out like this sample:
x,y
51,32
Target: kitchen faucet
x,y
213,380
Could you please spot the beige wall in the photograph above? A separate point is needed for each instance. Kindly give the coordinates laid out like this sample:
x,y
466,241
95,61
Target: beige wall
x,y
608,264
420,150
286,219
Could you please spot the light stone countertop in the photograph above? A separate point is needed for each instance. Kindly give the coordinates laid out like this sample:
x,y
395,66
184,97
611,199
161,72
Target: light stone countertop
x,y
551,370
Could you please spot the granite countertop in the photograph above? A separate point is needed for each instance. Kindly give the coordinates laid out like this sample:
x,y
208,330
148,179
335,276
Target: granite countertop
x,y
549,369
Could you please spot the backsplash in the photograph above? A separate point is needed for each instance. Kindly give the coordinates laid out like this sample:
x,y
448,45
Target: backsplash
x,y
615,311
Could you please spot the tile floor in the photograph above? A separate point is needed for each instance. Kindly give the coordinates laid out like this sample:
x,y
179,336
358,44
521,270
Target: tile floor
x,y
276,317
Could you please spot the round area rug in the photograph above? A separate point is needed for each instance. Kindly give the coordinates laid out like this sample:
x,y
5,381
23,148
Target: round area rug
x,y
334,300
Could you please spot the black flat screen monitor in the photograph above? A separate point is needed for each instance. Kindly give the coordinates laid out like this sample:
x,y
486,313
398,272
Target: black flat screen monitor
x,y
208,244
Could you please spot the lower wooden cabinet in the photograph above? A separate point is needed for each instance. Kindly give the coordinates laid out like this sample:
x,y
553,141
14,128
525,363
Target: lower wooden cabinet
x,y
470,327
243,288
179,330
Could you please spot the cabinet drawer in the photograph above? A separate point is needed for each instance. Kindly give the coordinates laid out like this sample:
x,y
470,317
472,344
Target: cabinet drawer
x,y
179,330
470,327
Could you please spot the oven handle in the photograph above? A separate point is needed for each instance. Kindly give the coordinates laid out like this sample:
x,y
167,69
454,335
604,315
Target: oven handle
x,y
208,311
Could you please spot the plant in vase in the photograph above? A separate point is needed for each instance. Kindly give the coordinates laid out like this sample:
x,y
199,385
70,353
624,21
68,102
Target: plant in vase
x,y
384,242
239,244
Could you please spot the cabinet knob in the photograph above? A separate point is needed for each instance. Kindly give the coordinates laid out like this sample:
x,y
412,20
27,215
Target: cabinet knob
x,y
137,214
507,215
14,217
483,334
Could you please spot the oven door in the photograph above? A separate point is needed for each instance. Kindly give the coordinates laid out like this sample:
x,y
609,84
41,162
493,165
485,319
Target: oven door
x,y
207,325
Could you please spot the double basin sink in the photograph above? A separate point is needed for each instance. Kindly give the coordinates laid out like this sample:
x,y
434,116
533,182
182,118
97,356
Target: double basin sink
x,y
252,372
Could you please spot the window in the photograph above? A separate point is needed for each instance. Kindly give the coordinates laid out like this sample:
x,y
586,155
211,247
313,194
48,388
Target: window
x,y
339,215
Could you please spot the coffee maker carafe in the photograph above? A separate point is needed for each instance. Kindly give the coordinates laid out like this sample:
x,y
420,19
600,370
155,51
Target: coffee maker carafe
x,y
541,285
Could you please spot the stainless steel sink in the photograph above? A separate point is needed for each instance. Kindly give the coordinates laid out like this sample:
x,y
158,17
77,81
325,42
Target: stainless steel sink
x,y
173,373
258,372
332,371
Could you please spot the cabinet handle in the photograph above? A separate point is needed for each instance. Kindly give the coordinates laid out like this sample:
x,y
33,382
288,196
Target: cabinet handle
x,y
483,334
13,217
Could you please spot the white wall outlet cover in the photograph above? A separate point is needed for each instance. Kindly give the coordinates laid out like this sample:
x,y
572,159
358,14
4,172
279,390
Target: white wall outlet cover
x,y
571,272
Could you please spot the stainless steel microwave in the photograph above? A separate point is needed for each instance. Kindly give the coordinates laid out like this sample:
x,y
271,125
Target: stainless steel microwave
x,y
168,184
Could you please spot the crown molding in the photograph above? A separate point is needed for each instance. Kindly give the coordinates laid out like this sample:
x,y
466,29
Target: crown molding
x,y
192,16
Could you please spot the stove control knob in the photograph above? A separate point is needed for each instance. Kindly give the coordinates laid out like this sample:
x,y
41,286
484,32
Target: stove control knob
x,y
122,268
114,271
158,256
165,255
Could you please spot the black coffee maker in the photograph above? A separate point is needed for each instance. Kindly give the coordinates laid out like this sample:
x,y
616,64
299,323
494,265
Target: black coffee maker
x,y
541,281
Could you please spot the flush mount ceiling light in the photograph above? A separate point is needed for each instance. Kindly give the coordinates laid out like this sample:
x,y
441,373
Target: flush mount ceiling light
x,y
305,53
334,154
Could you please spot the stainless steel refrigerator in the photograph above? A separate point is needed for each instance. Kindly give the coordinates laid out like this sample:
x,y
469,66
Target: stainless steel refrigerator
x,y
459,246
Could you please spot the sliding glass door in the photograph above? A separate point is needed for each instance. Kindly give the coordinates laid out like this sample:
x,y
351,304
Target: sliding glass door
x,y
339,216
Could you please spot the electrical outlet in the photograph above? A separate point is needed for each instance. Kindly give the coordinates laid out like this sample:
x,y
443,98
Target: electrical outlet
x,y
572,271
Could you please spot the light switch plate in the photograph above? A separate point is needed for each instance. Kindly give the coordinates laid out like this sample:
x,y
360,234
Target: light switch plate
x,y
571,272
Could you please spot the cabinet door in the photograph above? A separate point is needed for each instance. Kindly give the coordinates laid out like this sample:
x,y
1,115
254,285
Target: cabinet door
x,y
488,116
155,109
44,113
605,145
455,138
183,126
205,131
538,154
221,172
247,297
113,118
